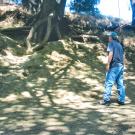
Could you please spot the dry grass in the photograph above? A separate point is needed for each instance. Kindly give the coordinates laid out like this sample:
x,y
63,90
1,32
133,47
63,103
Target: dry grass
x,y
55,91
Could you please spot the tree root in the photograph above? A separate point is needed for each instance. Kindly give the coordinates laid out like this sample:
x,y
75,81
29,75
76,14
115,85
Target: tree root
x,y
52,24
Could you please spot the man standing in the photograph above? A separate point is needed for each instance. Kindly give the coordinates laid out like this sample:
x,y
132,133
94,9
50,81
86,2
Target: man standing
x,y
114,70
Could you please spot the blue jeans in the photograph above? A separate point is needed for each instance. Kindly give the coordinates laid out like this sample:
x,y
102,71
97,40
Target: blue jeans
x,y
114,75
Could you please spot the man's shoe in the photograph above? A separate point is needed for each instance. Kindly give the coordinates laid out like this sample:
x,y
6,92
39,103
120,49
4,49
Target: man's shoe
x,y
121,103
103,102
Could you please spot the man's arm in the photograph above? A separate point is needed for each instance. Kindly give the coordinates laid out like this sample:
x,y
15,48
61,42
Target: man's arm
x,y
110,56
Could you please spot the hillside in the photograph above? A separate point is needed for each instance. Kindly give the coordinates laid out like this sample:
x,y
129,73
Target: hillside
x,y
55,91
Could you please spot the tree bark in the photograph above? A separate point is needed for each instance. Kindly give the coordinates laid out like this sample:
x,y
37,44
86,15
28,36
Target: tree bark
x,y
46,27
133,11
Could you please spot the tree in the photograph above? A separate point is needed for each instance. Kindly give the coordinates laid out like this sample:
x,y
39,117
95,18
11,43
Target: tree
x,y
85,6
46,26
34,6
133,11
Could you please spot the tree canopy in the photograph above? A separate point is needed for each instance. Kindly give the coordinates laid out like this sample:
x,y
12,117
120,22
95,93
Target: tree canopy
x,y
32,5
85,6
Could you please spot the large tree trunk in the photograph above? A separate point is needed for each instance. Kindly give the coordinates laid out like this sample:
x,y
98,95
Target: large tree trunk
x,y
46,26
133,11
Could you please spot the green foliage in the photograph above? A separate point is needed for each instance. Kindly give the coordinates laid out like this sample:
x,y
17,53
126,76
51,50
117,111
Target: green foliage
x,y
85,6
32,5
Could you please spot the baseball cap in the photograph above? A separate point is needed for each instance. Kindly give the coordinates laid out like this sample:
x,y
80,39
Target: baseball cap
x,y
113,34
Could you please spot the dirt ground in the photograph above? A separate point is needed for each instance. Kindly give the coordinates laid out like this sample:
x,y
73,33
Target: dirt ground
x,y
56,91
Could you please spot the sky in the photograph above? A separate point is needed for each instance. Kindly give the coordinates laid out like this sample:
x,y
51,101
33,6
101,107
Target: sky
x,y
110,8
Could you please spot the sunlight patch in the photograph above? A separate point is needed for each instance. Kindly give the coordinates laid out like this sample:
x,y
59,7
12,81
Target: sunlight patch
x,y
103,59
9,98
26,94
55,56
30,84
39,93
3,118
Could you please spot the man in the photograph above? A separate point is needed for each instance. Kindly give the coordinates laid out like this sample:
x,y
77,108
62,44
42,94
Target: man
x,y
114,70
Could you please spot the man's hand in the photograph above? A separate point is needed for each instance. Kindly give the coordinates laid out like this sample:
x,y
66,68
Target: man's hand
x,y
110,55
107,67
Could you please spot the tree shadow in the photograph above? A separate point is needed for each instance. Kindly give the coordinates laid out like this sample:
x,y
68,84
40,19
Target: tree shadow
x,y
130,57
36,108
35,119
130,85
130,72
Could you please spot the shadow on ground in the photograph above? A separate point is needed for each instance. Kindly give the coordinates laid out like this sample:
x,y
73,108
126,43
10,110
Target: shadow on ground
x,y
55,92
